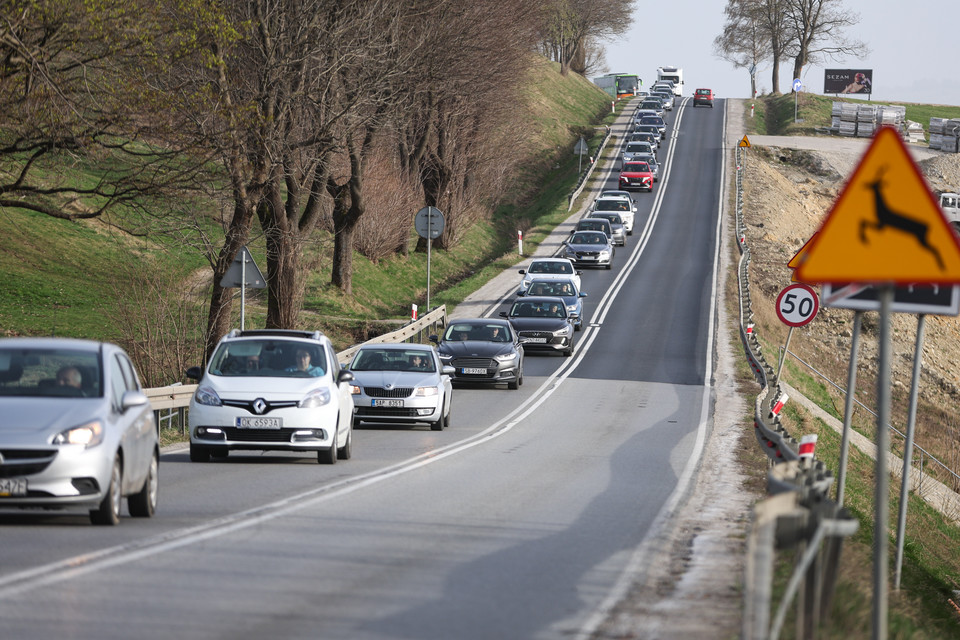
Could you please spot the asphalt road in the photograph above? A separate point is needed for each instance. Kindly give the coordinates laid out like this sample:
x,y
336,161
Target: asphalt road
x,y
526,519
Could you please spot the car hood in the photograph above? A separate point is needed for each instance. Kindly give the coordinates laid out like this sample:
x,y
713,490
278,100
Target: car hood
x,y
636,174
263,386
538,324
588,247
394,379
45,415
475,348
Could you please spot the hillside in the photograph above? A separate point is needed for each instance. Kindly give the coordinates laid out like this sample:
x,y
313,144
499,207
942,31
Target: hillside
x,y
145,281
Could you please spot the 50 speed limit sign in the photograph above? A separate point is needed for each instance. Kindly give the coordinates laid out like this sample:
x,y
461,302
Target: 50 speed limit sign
x,y
797,305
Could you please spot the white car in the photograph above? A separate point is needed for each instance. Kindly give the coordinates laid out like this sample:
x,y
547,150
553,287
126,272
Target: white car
x,y
403,383
549,269
624,205
272,389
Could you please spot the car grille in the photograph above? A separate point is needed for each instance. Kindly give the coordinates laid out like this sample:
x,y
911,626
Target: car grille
x,y
269,405
25,462
380,392
475,363
587,254
386,411
536,334
258,435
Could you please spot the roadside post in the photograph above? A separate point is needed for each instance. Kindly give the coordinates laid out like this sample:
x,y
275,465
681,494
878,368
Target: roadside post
x,y
873,218
429,223
581,150
797,85
237,276
520,240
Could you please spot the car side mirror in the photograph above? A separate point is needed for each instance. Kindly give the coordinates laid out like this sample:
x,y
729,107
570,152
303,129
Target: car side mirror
x,y
583,295
503,314
522,271
447,370
434,338
194,373
579,273
521,293
345,376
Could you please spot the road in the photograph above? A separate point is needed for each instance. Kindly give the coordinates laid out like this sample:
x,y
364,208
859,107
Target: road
x,y
523,520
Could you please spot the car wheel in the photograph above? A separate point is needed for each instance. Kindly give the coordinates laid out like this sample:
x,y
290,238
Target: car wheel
x,y
346,451
199,453
513,385
108,513
438,425
329,455
568,352
447,418
607,267
143,504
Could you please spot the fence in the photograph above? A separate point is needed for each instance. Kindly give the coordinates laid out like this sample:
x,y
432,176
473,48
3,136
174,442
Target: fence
x,y
170,403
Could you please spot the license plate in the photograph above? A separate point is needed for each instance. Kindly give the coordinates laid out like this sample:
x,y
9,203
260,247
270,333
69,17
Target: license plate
x,y
536,340
386,403
473,371
259,423
13,487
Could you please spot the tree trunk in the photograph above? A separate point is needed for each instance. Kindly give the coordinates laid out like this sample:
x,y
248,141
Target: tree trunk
x,y
219,318
775,78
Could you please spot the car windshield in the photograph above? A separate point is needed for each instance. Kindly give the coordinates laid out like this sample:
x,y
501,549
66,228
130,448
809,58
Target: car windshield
x,y
539,309
550,267
636,167
614,218
379,359
486,331
588,237
636,147
657,120
54,373
551,289
268,358
612,205
592,225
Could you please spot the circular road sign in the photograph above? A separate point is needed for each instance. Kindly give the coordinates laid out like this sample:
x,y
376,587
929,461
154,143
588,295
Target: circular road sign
x,y
429,223
797,85
797,305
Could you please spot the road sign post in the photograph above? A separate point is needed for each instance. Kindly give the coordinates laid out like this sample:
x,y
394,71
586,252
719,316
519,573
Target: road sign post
x,y
429,223
580,149
797,306
236,276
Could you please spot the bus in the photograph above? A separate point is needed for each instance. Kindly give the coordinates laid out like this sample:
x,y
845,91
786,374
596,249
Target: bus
x,y
619,85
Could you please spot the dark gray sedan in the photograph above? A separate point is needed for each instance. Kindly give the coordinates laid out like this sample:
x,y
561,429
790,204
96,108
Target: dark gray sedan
x,y
590,248
483,350
76,430
542,323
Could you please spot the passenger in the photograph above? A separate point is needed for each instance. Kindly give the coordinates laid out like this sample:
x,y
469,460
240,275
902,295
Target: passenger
x,y
303,364
69,376
419,362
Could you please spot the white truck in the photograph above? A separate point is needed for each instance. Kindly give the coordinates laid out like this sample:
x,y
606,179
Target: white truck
x,y
674,74
950,205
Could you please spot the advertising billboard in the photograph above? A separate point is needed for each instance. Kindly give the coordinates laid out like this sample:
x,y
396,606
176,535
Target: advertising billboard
x,y
848,81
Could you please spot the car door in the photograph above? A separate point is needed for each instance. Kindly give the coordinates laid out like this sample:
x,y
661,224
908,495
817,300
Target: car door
x,y
345,416
135,425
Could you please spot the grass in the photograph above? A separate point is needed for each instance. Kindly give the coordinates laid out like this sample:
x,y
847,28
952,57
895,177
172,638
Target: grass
x,y
774,114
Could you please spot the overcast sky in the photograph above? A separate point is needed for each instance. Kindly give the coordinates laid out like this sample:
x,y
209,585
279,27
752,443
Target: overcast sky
x,y
908,42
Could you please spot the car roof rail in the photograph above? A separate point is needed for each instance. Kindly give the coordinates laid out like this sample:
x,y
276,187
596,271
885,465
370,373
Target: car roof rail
x,y
286,333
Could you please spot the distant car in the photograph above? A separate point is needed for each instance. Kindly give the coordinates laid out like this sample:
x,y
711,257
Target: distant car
x,y
646,136
651,160
594,224
567,290
653,103
76,430
648,128
272,390
636,175
401,383
549,269
482,350
632,149
703,97
542,323
667,96
589,249
622,204
656,121
619,231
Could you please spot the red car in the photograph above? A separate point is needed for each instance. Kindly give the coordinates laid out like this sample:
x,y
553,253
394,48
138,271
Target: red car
x,y
704,97
636,175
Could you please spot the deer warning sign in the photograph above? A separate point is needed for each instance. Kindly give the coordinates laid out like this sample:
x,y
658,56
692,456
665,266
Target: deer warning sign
x,y
885,226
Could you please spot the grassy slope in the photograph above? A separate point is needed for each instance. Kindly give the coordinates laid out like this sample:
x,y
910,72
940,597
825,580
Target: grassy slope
x,y
69,278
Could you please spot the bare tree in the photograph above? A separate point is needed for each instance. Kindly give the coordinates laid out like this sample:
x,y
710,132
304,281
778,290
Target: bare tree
x,y
817,29
744,41
572,25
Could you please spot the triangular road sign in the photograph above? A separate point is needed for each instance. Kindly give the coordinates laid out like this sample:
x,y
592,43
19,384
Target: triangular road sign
x,y
744,142
243,271
885,226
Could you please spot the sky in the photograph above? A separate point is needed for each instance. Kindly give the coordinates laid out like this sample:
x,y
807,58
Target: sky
x,y
912,50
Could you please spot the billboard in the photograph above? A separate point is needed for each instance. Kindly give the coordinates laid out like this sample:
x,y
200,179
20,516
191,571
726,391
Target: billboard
x,y
848,81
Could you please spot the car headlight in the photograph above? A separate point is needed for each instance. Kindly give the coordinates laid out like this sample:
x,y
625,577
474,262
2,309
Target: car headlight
x,y
355,390
316,398
426,392
445,357
207,396
604,254
562,332
571,307
89,435
505,357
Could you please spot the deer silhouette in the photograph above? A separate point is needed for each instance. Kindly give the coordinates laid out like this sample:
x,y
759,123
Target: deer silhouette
x,y
887,217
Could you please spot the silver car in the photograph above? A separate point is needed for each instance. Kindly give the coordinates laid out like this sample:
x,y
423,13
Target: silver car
x,y
586,248
76,429
401,383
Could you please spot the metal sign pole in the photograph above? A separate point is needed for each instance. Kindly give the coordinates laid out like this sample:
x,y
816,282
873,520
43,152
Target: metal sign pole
x,y
784,357
848,406
908,450
429,251
882,489
243,289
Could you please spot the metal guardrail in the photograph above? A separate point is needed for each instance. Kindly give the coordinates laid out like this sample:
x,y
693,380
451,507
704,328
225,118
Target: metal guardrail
x,y
170,403
799,514
586,173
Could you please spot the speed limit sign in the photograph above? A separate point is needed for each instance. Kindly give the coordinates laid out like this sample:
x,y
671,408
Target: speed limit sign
x,y
797,305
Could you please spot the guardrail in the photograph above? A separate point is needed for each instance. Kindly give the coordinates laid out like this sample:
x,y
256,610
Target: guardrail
x,y
586,173
170,403
799,514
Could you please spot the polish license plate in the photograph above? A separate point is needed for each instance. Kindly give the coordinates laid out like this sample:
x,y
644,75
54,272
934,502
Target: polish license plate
x,y
475,371
259,423
386,403
537,340
13,487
